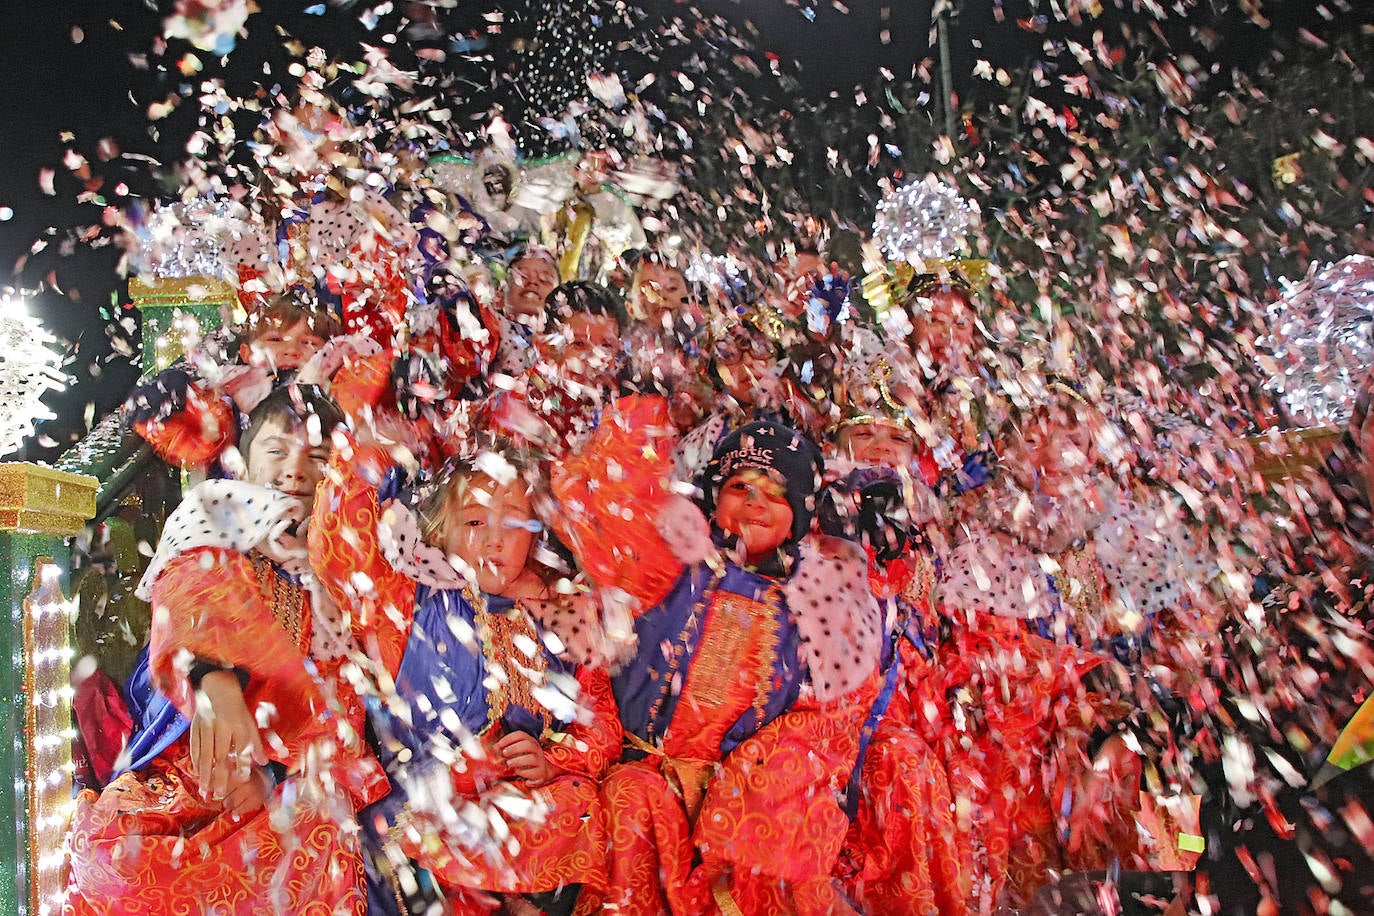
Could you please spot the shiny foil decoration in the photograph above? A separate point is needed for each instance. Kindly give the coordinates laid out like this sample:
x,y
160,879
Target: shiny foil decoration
x,y
1320,348
184,238
923,220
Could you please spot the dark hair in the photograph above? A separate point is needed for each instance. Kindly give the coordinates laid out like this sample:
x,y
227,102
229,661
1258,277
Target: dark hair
x,y
586,297
293,405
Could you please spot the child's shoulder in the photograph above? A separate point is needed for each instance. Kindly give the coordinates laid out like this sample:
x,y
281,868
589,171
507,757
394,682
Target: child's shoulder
x,y
228,516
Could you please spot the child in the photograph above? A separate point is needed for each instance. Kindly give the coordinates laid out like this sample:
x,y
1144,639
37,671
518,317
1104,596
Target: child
x,y
188,416
741,705
242,647
1052,556
481,709
742,363
904,853
943,371
577,374
530,280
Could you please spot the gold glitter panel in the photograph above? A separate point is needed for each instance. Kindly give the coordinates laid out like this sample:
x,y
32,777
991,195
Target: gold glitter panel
x,y
175,291
43,500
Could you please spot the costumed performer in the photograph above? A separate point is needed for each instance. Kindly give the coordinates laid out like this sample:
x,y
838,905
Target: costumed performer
x,y
742,704
904,853
492,733
248,807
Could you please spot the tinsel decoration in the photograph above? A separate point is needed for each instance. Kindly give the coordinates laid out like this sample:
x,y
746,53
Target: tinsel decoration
x,y
28,370
923,219
184,239
1321,340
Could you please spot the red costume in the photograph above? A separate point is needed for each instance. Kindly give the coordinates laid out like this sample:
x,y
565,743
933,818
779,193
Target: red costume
x,y
740,707
150,843
415,592
905,853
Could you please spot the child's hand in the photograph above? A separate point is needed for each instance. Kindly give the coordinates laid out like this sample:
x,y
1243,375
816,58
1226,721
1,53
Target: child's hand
x,y
525,756
334,355
247,385
251,794
224,738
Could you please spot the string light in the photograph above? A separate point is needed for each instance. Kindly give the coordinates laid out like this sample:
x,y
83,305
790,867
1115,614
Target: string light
x,y
923,220
1321,340
28,370
48,733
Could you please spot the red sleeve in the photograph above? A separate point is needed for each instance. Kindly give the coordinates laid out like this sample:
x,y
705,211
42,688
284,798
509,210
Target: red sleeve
x,y
590,749
610,496
347,557
375,294
209,605
362,383
195,435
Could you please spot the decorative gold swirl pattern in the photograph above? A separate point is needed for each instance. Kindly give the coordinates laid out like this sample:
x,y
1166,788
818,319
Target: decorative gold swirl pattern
x,y
149,845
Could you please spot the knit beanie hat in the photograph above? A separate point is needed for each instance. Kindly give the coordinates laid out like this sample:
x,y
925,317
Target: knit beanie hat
x,y
780,451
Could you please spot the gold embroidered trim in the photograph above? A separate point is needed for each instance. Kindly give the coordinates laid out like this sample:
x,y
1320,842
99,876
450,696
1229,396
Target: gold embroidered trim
x,y
286,600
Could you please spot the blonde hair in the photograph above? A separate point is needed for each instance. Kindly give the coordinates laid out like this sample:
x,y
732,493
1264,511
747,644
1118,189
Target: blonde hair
x,y
453,481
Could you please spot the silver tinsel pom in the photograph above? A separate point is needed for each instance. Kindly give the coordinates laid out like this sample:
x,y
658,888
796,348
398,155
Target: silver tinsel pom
x,y
28,370
923,220
185,238
1321,340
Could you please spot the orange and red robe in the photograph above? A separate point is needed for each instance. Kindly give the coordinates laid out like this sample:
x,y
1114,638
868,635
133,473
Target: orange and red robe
x,y
904,853
1007,712
410,632
150,843
727,798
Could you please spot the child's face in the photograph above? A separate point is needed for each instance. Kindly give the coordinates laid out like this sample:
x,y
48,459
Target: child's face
x,y
279,349
1055,451
878,444
753,506
660,290
283,458
489,527
587,349
944,329
745,366
528,285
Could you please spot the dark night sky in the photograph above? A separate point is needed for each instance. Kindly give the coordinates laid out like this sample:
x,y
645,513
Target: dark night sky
x,y
50,83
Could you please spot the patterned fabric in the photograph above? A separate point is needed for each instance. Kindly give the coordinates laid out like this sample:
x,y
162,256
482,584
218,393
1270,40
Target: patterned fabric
x,y
150,845
1007,713
443,657
355,252
905,852
208,604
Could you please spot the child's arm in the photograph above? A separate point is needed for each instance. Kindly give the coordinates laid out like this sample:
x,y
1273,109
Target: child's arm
x,y
209,615
347,557
611,497
187,425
